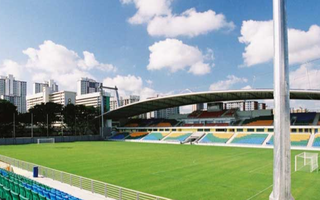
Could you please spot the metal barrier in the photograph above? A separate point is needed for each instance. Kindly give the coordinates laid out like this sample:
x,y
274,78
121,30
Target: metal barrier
x,y
98,187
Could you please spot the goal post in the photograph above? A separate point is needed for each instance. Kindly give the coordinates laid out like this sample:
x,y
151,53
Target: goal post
x,y
45,140
307,162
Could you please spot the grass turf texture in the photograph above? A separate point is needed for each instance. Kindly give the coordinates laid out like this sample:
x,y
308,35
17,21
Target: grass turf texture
x,y
175,171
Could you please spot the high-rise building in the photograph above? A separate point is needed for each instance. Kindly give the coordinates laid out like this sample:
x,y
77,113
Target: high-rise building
x,y
123,101
64,98
198,107
14,91
166,113
245,105
38,87
87,86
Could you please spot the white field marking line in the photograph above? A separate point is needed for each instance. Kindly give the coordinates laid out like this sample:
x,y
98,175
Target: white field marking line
x,y
258,168
260,192
230,160
264,190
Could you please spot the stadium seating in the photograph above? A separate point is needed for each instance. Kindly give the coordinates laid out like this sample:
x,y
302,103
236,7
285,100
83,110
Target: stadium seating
x,y
302,118
261,123
299,139
316,142
155,136
217,124
254,138
296,139
216,138
17,187
136,135
119,136
178,137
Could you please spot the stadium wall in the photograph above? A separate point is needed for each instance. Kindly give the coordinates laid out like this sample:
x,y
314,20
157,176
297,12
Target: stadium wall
x,y
10,141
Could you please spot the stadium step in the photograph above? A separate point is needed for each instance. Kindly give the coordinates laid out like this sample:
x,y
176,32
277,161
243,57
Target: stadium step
x,y
311,140
267,139
316,119
230,140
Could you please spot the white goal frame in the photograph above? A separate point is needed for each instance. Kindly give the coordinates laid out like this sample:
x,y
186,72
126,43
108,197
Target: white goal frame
x,y
45,140
306,162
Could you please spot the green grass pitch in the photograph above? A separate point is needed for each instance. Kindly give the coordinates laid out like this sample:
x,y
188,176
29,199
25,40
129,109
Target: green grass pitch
x,y
184,172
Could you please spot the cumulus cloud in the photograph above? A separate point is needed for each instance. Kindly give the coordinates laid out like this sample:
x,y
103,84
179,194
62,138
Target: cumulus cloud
x,y
130,85
11,67
228,83
162,22
147,9
54,61
174,55
305,77
190,23
258,38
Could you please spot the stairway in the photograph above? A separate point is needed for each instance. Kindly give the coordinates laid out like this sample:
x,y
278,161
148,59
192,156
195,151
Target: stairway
x,y
230,140
310,143
267,139
316,119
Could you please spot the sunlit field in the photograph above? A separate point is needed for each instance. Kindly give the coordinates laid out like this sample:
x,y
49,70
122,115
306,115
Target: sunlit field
x,y
185,172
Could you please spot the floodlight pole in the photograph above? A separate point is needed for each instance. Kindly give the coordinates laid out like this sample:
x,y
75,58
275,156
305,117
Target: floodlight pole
x,y
282,154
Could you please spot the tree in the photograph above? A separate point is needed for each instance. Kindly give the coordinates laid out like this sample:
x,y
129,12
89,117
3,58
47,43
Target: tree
x,y
80,119
44,115
7,111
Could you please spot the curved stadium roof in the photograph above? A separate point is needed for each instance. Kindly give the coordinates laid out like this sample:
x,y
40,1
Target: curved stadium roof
x,y
159,103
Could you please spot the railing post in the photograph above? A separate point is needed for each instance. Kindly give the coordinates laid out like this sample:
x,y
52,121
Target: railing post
x,y
137,195
105,190
120,193
91,186
70,180
80,183
61,177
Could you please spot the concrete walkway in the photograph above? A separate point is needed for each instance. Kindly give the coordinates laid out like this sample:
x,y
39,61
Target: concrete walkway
x,y
74,191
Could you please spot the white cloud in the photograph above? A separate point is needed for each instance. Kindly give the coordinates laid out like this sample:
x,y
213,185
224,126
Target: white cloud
x,y
162,22
150,82
228,83
174,55
248,87
130,85
11,67
147,9
54,61
190,23
258,38
305,77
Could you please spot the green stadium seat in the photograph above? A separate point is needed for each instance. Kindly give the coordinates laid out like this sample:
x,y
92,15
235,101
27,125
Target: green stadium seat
x,y
35,195
22,190
1,192
7,193
11,185
42,197
23,198
15,196
16,187
29,194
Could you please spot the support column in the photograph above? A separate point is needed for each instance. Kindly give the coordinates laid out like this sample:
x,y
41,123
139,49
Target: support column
x,y
282,154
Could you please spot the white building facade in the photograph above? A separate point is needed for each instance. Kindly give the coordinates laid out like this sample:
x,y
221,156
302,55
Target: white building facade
x,y
14,91
38,87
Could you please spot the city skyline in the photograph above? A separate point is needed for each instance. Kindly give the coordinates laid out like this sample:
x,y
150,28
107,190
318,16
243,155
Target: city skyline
x,y
118,43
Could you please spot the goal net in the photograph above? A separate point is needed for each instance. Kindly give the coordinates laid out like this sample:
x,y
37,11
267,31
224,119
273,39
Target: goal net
x,y
46,140
307,162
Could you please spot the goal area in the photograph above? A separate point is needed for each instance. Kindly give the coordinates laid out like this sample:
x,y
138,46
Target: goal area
x,y
45,140
307,162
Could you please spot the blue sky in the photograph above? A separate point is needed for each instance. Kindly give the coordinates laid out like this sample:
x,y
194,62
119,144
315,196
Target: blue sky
x,y
118,46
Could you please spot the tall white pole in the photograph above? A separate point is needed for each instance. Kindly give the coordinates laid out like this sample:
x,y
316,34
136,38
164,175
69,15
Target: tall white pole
x,y
282,155
102,109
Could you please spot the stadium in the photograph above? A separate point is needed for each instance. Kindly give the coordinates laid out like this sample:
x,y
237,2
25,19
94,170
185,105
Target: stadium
x,y
203,155
124,137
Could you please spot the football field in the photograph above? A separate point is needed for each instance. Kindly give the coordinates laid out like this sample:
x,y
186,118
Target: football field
x,y
182,172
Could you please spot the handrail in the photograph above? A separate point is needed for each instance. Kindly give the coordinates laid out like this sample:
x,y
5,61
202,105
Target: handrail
x,y
94,186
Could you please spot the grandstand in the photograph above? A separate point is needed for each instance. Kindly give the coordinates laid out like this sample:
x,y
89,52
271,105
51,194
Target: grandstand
x,y
14,186
216,138
253,139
